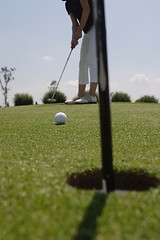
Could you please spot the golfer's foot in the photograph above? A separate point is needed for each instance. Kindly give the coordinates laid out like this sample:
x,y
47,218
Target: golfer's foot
x,y
86,99
70,102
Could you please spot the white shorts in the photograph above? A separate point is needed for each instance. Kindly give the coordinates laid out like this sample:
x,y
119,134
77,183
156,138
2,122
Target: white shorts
x,y
88,70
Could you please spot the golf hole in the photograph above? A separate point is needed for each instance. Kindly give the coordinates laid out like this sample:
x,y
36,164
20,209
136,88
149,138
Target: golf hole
x,y
124,180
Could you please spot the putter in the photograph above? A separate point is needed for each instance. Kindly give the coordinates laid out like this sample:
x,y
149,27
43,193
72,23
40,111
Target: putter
x,y
52,100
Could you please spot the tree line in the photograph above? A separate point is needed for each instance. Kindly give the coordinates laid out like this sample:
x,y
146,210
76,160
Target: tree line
x,y
26,99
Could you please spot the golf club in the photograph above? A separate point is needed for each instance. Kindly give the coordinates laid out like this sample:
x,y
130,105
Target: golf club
x,y
55,90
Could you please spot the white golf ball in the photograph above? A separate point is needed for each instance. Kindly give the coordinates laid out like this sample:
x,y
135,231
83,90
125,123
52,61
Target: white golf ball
x,y
60,118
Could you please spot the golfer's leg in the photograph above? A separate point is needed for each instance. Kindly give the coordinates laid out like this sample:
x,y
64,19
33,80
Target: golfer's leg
x,y
93,67
83,66
93,88
81,90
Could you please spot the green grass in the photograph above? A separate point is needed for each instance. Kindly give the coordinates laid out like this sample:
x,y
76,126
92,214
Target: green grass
x,y
36,156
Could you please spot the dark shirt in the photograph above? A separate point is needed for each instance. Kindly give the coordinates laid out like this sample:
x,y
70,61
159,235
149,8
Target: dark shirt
x,y
74,7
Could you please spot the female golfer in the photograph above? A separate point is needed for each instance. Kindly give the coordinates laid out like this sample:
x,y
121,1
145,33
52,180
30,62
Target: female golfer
x,y
81,14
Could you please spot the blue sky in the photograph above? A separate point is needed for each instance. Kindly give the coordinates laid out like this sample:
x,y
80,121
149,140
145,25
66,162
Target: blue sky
x,y
35,39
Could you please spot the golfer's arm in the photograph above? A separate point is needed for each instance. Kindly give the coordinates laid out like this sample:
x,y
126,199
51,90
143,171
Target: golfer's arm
x,y
75,24
85,13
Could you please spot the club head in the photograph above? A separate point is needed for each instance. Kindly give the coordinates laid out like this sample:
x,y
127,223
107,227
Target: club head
x,y
52,100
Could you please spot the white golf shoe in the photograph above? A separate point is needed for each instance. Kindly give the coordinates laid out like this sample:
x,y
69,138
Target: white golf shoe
x,y
70,102
86,100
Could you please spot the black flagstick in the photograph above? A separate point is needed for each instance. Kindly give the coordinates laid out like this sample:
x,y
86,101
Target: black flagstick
x,y
104,98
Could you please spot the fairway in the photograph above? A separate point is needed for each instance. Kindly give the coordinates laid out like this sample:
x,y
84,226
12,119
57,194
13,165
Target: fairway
x,y
38,158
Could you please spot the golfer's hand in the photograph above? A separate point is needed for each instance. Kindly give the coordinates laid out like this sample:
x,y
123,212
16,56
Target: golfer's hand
x,y
78,34
74,42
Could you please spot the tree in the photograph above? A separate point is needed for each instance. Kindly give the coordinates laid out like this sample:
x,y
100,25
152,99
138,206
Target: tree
x,y
53,85
59,96
120,97
21,99
7,77
147,99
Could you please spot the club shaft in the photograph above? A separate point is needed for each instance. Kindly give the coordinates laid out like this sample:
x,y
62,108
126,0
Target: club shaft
x,y
62,73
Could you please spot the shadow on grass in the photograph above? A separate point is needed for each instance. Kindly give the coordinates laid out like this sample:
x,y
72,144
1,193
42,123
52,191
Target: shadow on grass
x,y
89,180
87,228
124,180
